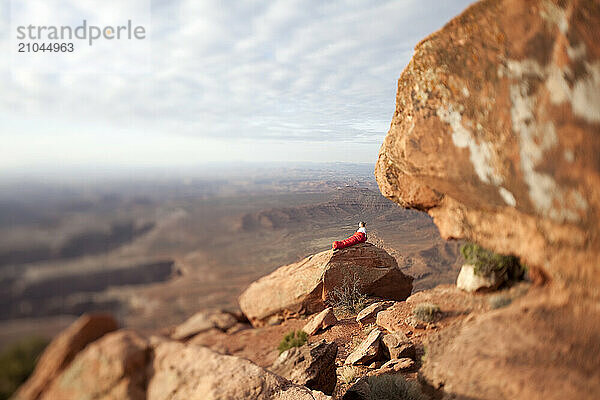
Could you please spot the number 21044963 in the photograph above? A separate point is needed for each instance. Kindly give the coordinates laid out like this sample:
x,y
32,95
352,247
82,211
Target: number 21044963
x,y
45,47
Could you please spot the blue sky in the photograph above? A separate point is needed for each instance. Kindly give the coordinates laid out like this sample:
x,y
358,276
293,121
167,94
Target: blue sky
x,y
227,81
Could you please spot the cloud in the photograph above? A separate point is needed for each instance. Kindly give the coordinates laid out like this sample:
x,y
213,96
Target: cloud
x,y
291,71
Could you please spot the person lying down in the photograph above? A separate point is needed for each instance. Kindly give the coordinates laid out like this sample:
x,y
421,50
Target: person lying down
x,y
359,236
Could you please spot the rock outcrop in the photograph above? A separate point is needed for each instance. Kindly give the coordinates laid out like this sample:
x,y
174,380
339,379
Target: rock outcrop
x,y
496,134
305,287
61,351
125,365
312,366
114,367
196,373
541,347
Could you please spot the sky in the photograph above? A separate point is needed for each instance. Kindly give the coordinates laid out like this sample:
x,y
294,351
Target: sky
x,y
279,80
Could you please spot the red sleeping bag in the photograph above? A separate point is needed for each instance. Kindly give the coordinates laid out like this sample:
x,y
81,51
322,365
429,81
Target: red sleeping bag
x,y
358,237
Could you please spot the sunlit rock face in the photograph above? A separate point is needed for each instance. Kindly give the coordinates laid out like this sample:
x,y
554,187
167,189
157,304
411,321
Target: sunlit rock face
x,y
496,134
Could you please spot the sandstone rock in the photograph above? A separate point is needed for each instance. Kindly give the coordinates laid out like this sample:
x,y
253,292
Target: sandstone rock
x,y
396,345
114,367
390,319
397,365
203,321
496,134
322,320
305,286
312,366
367,351
415,322
188,372
539,348
369,314
61,351
469,281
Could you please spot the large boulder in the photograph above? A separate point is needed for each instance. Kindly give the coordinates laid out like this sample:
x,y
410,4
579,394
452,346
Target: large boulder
x,y
62,350
189,372
312,366
113,367
305,287
496,134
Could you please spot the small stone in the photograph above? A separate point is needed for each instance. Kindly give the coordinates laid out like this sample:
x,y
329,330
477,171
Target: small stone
x,y
367,351
398,365
396,345
471,282
202,322
369,314
321,321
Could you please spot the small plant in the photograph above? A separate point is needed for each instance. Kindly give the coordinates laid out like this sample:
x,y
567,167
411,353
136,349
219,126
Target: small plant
x,y
427,312
499,301
393,387
349,374
485,262
348,296
292,339
17,363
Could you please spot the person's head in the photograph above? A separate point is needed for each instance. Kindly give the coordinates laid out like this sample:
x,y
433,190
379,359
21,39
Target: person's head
x,y
362,224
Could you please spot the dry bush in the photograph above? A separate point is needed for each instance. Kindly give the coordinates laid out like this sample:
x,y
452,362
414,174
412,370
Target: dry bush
x,y
393,387
427,312
349,296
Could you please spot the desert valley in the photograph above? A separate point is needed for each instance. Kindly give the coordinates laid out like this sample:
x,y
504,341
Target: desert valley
x,y
155,252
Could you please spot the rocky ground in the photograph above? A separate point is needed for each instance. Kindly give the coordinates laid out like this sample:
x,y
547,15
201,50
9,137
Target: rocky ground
x,y
343,347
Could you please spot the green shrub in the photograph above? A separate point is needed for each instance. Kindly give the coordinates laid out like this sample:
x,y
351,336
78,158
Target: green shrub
x,y
485,262
348,296
427,312
292,339
393,387
17,363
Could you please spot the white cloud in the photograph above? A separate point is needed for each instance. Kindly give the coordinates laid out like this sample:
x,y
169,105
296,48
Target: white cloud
x,y
252,71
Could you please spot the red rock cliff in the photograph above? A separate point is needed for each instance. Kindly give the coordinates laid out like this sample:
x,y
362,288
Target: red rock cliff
x,y
496,134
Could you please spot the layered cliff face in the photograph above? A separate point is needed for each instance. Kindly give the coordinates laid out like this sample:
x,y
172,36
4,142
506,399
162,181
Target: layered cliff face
x,y
496,134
